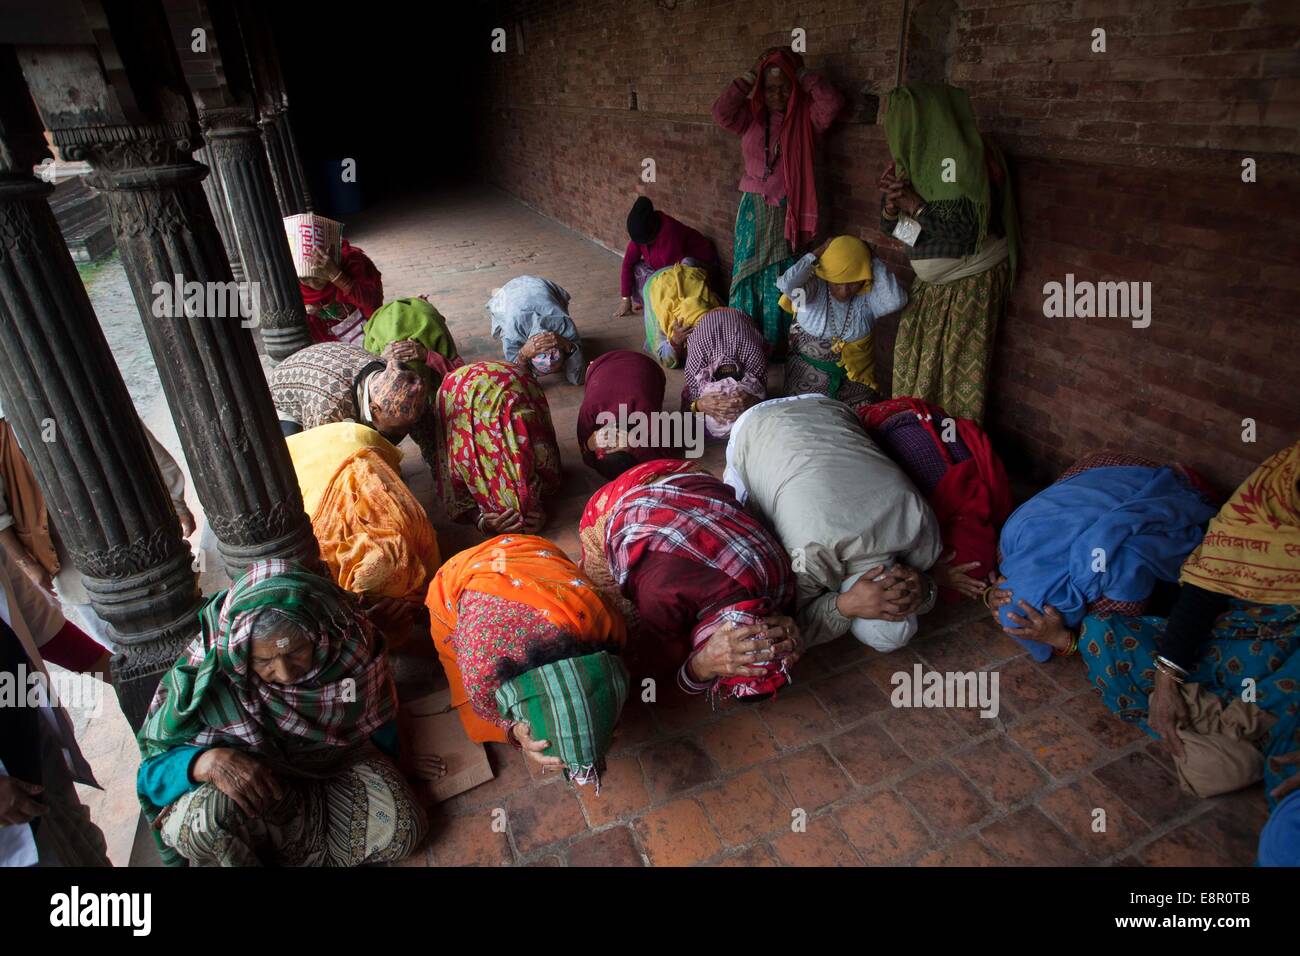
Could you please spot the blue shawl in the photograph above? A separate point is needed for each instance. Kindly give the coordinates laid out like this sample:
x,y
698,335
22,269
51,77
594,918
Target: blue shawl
x,y
1140,524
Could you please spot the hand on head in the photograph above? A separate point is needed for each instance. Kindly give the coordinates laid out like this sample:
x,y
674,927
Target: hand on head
x,y
403,351
746,650
882,595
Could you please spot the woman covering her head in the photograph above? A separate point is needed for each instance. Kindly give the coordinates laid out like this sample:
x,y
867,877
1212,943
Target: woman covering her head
x,y
374,535
532,653
1097,542
947,195
862,534
658,240
726,369
414,332
595,520
498,458
836,294
676,298
778,109
341,294
953,464
621,386
1235,623
266,742
710,585
530,316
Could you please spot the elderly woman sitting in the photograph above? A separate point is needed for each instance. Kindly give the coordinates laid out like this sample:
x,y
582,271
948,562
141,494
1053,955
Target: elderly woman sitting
x,y
726,369
710,584
270,742
860,533
530,316
532,652
836,295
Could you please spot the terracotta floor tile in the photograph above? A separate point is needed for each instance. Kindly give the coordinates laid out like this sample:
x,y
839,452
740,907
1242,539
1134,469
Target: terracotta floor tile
x,y
881,668
1234,822
924,732
677,834
1087,710
636,725
821,843
675,712
884,828
622,792
1074,807
1024,687
739,740
951,614
849,695
795,717
1146,787
1028,838
869,754
835,655
469,840
1184,847
544,815
745,808
1057,744
1068,672
968,647
613,847
672,766
808,779
1000,771
757,855
967,852
944,798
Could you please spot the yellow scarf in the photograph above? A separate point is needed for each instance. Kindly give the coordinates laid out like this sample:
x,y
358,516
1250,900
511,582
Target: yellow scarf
x,y
1252,548
846,259
679,296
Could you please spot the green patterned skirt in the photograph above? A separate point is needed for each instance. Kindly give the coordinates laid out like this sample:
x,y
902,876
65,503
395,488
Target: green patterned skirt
x,y
945,341
761,256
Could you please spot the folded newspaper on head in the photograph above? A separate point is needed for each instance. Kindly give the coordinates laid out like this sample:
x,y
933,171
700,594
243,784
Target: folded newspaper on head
x,y
308,233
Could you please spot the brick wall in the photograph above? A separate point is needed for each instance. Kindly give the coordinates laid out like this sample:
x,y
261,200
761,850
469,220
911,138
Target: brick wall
x,y
1127,167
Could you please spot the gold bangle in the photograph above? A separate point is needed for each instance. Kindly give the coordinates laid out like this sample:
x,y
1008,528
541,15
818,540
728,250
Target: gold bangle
x,y
985,596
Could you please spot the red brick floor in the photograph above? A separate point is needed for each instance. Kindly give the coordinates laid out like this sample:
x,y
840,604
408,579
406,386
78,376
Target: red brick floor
x,y
830,773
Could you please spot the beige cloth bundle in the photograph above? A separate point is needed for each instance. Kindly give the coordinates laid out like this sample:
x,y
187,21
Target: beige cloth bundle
x,y
1221,745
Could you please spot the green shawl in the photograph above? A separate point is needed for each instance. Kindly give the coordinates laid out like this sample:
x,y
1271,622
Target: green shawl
x,y
574,704
410,319
927,123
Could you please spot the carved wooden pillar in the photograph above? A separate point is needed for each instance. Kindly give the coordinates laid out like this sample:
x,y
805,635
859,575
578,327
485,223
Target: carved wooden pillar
x,y
286,167
273,108
210,371
131,117
65,398
238,160
216,194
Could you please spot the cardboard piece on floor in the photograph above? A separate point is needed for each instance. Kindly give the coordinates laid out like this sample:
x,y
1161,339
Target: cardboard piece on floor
x,y
435,728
